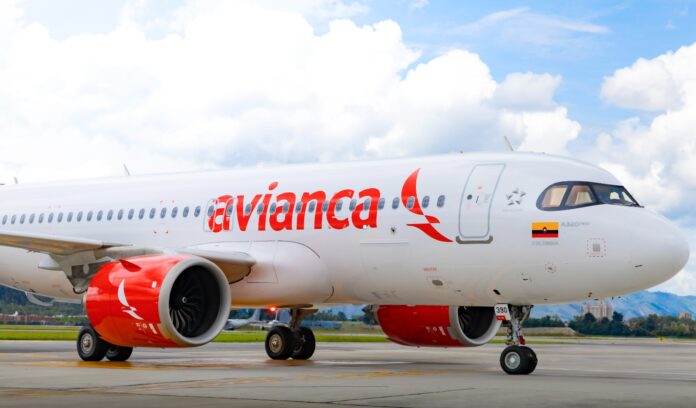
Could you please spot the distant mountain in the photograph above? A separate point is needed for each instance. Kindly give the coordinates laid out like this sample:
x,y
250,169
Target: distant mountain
x,y
636,304
633,305
12,296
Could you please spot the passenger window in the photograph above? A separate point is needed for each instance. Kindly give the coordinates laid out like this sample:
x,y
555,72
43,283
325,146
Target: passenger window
x,y
69,217
339,205
163,212
14,218
175,211
31,219
89,216
352,205
286,208
41,218
100,215
367,204
197,211
141,213
153,211
120,215
110,215
260,208
247,209
79,217
380,203
230,209
298,207
395,203
580,194
185,212
312,205
50,218
553,198
325,206
59,219
441,201
4,219
273,208
410,202
426,202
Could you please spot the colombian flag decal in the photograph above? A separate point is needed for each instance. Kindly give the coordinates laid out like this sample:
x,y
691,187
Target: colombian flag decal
x,y
544,230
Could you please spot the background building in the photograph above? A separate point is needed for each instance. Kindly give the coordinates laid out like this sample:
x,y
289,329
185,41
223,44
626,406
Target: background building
x,y
599,310
684,315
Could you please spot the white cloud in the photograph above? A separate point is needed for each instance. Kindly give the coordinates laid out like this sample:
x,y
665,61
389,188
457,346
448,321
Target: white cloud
x,y
528,91
523,26
236,83
661,154
419,4
656,158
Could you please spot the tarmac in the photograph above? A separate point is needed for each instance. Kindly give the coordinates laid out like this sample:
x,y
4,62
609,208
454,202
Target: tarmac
x,y
584,373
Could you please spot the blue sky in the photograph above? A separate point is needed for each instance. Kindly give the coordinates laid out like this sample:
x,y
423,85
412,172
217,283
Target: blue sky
x,y
198,84
627,30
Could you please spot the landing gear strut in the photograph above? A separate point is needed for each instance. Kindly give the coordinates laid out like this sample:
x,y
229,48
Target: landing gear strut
x,y
517,358
291,341
91,347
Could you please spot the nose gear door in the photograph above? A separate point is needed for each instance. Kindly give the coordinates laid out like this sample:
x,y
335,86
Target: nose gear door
x,y
475,206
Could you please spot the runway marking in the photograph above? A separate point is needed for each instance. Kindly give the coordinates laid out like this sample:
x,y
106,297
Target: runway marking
x,y
197,364
135,389
266,380
113,365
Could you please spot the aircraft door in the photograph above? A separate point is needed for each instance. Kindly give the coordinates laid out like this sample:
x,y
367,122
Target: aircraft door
x,y
475,205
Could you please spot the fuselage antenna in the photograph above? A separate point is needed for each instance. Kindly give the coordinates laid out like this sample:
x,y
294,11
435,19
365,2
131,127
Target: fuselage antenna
x,y
508,145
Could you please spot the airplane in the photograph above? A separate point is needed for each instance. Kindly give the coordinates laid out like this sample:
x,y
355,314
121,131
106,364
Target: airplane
x,y
234,324
446,249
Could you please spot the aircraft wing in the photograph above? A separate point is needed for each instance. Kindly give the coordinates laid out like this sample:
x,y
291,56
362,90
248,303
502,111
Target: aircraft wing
x,y
235,264
50,243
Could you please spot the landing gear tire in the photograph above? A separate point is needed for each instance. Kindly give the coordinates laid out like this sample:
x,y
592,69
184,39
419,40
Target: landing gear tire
x,y
305,344
280,343
118,353
518,360
90,347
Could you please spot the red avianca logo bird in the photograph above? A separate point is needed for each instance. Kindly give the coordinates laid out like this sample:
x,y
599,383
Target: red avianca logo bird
x,y
409,190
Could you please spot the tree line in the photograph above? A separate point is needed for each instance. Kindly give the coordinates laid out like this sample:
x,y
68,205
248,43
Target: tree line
x,y
649,326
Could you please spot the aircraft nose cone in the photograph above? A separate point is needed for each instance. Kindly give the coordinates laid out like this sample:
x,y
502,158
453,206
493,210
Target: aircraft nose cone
x,y
681,250
666,252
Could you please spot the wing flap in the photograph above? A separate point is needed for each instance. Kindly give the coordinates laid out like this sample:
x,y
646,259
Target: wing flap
x,y
50,243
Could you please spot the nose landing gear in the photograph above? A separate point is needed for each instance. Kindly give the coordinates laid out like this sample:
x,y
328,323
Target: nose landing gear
x,y
292,341
517,359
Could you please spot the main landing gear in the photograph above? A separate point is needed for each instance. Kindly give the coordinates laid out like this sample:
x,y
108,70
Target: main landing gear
x,y
292,341
517,358
91,347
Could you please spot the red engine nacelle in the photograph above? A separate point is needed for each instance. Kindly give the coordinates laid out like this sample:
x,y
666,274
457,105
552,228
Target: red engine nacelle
x,y
438,326
158,301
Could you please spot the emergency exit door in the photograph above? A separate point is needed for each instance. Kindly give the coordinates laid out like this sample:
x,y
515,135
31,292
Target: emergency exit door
x,y
476,202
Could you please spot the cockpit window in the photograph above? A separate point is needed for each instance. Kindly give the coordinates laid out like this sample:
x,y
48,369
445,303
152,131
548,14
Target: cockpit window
x,y
580,194
616,195
553,196
576,194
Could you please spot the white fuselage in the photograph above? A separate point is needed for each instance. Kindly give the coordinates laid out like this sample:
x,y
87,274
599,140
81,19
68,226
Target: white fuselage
x,y
476,248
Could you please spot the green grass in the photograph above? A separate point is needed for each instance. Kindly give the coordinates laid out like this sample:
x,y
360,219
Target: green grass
x,y
10,332
38,335
14,327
